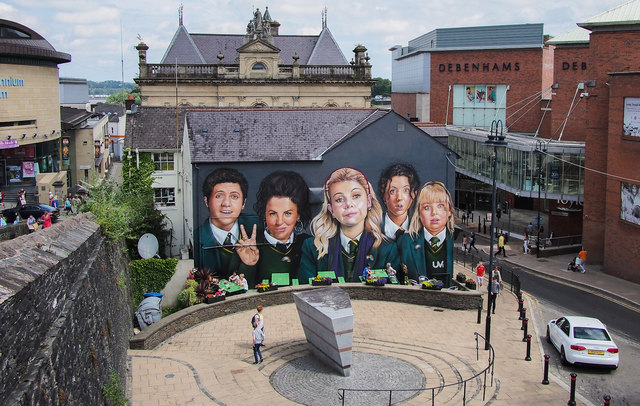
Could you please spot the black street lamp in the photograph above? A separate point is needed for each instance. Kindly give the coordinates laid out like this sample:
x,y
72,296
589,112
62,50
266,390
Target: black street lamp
x,y
495,140
539,149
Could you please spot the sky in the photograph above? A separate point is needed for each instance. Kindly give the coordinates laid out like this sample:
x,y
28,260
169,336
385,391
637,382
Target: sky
x,y
101,35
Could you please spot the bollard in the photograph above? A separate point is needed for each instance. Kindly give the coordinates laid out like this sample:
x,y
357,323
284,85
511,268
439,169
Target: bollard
x,y
528,357
545,378
572,394
520,302
522,326
479,225
479,313
607,398
525,323
523,313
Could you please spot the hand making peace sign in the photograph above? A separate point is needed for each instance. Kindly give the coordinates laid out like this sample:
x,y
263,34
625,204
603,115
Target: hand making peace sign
x,y
246,247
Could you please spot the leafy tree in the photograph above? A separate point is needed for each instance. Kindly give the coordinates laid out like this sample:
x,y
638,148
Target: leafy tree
x,y
128,211
382,87
117,97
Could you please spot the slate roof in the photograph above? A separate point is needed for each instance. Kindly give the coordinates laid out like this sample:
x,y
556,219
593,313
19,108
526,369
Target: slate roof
x,y
154,128
204,48
251,135
113,110
71,117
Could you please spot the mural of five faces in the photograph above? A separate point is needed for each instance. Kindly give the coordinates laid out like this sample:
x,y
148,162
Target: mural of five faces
x,y
351,235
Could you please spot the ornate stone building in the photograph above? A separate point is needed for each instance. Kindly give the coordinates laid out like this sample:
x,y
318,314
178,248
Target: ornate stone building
x,y
258,69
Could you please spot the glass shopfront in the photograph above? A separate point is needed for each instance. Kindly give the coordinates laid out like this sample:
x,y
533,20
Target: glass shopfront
x,y
19,165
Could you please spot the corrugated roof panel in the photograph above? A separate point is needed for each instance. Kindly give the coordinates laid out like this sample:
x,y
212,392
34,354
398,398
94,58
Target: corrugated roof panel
x,y
628,13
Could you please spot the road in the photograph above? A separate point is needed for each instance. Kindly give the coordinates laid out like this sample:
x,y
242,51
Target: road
x,y
552,298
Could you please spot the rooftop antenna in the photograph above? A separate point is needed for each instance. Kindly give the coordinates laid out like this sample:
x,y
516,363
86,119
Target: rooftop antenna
x,y
180,14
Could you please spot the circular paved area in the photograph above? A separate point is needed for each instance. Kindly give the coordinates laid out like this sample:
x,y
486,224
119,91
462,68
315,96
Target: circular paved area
x,y
306,378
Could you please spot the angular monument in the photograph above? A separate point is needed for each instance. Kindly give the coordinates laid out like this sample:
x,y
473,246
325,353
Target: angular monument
x,y
327,320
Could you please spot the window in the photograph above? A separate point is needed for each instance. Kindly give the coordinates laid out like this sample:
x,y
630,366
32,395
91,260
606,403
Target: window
x,y
258,66
163,161
478,105
164,196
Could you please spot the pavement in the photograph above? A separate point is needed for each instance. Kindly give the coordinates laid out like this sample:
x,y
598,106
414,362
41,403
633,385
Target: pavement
x,y
212,362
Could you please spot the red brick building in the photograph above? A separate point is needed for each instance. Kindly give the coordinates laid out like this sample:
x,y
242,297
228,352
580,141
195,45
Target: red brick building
x,y
593,77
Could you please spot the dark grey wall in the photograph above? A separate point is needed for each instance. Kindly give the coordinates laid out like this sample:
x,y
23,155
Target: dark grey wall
x,y
65,313
370,150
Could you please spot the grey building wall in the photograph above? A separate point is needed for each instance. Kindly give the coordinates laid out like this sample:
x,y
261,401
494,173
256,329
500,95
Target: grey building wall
x,y
74,91
370,150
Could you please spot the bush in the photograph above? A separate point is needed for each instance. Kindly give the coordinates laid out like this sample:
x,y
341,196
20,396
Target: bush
x,y
188,297
150,275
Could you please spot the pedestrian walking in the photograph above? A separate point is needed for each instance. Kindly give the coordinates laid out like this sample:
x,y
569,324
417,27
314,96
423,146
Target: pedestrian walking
x,y
465,242
501,242
525,243
472,241
480,274
496,274
46,220
464,217
258,336
582,259
494,289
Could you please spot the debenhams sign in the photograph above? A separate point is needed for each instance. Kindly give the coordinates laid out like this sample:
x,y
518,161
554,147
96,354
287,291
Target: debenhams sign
x,y
9,82
479,67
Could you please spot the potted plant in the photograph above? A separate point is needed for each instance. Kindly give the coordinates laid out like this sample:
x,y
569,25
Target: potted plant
x,y
470,284
432,284
262,287
321,280
214,297
373,280
460,277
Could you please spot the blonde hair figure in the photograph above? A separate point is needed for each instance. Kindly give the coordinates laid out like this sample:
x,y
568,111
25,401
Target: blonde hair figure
x,y
351,214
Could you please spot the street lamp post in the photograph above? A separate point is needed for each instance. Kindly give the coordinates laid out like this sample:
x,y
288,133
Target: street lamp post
x,y
495,140
539,150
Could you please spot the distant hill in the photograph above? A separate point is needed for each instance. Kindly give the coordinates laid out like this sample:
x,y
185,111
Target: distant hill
x,y
108,87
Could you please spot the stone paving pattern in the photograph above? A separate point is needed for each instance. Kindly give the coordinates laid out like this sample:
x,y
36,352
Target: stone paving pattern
x,y
211,363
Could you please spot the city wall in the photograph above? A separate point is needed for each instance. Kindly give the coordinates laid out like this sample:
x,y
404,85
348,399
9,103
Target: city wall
x,y
65,313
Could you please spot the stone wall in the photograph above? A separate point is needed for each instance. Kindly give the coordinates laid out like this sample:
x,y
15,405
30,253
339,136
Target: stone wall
x,y
66,315
153,335
13,231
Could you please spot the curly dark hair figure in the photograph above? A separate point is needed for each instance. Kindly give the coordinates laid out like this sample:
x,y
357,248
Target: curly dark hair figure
x,y
284,184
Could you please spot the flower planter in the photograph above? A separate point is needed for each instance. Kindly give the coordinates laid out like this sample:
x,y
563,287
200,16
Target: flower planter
x,y
377,282
214,299
470,286
461,278
321,283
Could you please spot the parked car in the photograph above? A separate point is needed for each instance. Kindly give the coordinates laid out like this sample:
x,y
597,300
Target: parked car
x,y
582,341
28,209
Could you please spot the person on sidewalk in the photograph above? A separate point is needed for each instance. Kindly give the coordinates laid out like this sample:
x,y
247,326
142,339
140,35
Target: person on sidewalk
x,y
501,245
258,336
480,274
525,243
496,274
472,241
582,259
465,242
494,291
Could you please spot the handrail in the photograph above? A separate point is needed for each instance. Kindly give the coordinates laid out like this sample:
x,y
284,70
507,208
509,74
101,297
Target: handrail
x,y
489,369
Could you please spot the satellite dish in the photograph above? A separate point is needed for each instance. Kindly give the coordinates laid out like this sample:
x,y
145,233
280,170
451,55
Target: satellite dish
x,y
148,246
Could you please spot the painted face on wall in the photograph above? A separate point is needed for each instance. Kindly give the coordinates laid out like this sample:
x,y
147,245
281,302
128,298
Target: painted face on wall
x,y
225,204
434,215
281,214
398,198
349,204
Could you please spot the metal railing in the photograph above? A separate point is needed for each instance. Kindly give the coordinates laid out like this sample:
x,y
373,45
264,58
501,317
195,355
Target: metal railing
x,y
487,370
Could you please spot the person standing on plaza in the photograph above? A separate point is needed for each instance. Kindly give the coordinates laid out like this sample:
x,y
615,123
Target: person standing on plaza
x,y
465,241
525,243
3,222
496,274
46,220
258,336
258,318
480,274
501,243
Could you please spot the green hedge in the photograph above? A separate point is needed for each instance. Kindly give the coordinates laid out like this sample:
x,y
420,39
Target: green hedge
x,y
150,275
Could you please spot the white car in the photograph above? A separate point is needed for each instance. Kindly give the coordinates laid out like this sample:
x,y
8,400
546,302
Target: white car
x,y
582,341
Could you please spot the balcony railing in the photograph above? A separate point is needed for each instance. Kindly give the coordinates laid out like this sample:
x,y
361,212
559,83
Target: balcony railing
x,y
208,72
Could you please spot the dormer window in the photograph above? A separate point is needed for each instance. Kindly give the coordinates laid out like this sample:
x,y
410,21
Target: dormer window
x,y
258,66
